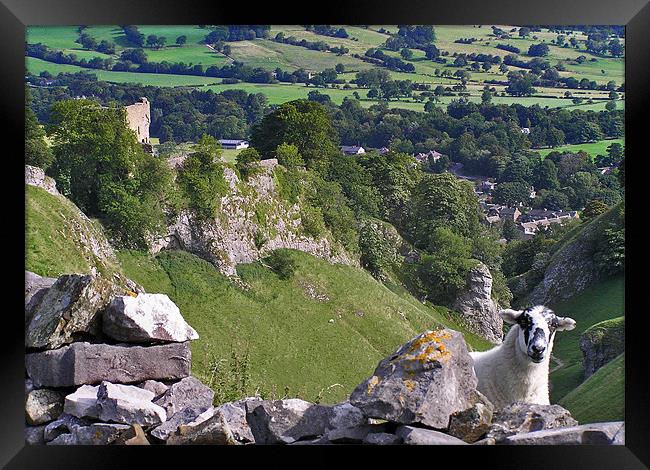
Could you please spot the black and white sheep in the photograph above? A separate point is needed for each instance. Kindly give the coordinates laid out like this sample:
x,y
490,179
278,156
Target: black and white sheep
x,y
517,370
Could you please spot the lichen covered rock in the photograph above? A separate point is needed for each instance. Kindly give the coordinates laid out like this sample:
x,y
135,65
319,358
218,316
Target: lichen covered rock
x,y
70,309
425,381
43,406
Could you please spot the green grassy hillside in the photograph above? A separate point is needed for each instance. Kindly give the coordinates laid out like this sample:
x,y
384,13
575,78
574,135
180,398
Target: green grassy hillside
x,y
58,237
293,343
601,397
264,335
601,301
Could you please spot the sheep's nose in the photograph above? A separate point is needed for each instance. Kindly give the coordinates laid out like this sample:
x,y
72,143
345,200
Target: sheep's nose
x,y
538,349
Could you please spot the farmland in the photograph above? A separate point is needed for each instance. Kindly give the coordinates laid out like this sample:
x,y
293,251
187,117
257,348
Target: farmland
x,y
270,55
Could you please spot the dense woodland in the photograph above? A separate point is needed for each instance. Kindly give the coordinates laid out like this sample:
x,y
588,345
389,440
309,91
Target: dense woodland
x,y
433,210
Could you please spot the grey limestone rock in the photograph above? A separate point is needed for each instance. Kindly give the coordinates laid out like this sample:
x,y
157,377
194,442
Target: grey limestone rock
x,y
425,381
85,363
146,318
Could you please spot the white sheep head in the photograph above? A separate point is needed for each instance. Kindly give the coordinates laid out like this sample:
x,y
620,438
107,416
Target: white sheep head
x,y
536,329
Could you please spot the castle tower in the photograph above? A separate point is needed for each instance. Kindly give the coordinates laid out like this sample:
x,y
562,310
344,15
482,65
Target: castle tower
x,y
138,118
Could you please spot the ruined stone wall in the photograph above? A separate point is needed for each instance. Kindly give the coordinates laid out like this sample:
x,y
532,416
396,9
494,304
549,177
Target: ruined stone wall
x,y
138,118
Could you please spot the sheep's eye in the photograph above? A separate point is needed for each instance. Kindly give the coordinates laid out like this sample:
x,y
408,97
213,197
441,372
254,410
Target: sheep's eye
x,y
524,321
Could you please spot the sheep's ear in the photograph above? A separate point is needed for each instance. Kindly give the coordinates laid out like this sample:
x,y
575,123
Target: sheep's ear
x,y
510,316
565,323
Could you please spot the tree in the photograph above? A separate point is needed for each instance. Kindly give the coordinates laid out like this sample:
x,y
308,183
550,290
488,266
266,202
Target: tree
x,y
545,175
524,32
37,152
443,272
593,209
407,54
551,199
181,40
509,230
511,193
613,95
201,178
305,124
486,96
247,162
442,200
538,50
431,52
152,40
288,156
610,106
340,68
102,168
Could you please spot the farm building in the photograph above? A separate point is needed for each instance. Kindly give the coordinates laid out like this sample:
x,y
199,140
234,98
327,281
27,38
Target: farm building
x,y
234,144
352,150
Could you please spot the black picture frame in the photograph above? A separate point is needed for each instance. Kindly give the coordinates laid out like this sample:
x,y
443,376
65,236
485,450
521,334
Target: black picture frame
x,y
15,15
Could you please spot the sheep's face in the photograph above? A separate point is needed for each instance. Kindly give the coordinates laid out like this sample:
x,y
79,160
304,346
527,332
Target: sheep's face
x,y
537,327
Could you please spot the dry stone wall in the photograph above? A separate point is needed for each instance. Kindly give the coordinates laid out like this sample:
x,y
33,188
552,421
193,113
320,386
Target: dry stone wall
x,y
103,391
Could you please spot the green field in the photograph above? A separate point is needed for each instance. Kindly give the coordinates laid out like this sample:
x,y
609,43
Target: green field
x,y
601,397
270,55
592,148
601,301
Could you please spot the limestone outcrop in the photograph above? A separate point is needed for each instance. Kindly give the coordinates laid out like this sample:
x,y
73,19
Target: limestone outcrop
x,y
475,303
253,221
601,343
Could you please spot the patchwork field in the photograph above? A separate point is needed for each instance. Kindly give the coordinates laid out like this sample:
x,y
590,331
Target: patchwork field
x,y
270,55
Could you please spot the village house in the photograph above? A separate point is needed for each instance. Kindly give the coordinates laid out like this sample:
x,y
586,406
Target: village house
x,y
525,130
529,225
486,186
424,157
234,144
495,213
352,150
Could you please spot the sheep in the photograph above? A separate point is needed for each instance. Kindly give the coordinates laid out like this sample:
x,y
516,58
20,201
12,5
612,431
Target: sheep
x,y
517,369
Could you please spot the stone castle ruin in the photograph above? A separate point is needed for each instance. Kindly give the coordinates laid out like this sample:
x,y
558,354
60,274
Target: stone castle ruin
x,y
138,118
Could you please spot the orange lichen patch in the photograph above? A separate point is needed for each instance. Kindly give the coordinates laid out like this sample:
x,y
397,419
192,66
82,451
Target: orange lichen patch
x,y
131,293
429,347
410,385
372,383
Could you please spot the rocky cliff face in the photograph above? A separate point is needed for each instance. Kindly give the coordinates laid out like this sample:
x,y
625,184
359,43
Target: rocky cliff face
x,y
479,310
35,176
252,221
572,268
601,343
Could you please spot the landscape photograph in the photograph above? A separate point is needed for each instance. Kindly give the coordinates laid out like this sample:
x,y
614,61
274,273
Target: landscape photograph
x,y
325,234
